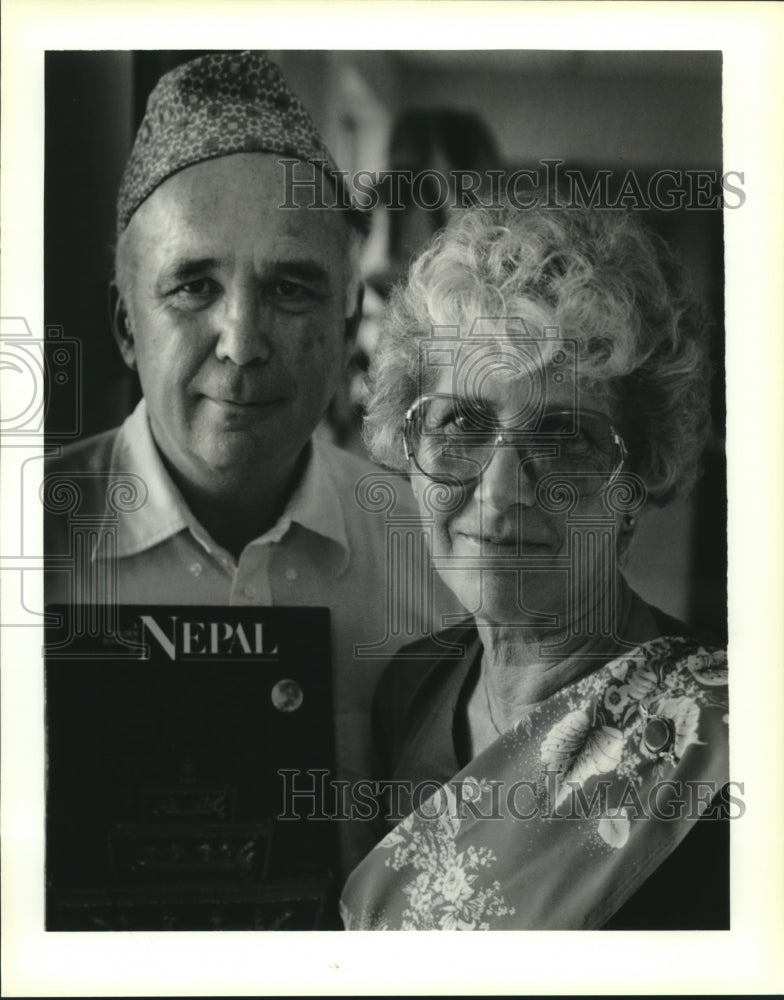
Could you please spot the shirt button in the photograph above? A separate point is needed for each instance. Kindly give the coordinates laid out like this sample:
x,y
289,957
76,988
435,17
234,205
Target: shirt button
x,y
249,590
291,573
195,568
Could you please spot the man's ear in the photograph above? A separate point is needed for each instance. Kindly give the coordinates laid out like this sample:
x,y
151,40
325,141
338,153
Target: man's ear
x,y
352,326
121,325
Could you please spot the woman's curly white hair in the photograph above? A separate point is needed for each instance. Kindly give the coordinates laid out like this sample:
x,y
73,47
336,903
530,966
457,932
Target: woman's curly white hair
x,y
604,281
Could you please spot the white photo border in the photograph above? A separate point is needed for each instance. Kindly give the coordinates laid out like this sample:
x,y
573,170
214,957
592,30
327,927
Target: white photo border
x,y
746,959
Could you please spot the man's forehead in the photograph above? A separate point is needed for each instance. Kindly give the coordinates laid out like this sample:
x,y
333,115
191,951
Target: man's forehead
x,y
231,201
237,177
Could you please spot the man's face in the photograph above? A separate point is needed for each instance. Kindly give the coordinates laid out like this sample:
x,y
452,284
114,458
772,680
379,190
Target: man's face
x,y
236,313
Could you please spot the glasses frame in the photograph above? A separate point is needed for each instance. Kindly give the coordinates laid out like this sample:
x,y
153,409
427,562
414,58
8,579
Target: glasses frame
x,y
500,438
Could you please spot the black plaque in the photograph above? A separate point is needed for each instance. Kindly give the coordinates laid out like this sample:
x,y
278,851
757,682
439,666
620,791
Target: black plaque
x,y
167,732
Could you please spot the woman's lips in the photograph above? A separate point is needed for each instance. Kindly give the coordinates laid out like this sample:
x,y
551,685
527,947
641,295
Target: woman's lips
x,y
504,544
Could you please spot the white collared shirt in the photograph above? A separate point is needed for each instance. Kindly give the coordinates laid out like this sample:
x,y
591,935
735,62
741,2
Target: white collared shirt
x,y
166,556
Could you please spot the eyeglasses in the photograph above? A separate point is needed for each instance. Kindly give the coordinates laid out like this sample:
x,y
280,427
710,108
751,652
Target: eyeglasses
x,y
453,441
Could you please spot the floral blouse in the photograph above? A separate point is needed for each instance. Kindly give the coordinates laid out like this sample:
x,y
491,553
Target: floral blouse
x,y
561,819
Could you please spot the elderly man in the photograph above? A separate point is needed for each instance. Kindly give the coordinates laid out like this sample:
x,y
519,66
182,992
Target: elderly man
x,y
238,316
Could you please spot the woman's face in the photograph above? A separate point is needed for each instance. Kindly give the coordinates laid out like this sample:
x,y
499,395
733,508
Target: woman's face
x,y
508,558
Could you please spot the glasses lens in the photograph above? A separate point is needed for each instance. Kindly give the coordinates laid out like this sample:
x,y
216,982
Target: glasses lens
x,y
585,452
450,440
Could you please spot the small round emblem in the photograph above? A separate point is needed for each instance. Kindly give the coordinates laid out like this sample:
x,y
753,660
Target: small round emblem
x,y
287,695
659,735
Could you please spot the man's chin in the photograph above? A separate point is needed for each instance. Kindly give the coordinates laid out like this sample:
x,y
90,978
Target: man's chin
x,y
241,457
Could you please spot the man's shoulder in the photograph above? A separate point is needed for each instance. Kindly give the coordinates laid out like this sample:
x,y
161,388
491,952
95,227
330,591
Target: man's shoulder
x,y
93,454
77,478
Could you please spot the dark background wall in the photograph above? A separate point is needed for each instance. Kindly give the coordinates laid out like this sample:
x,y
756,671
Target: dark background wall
x,y
595,110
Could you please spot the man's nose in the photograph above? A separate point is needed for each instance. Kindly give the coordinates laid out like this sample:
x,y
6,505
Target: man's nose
x,y
508,480
243,329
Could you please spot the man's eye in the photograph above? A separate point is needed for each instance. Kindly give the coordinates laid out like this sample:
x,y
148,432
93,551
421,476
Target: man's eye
x,y
198,288
194,295
289,288
292,294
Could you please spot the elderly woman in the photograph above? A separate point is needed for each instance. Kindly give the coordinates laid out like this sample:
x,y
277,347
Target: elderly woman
x,y
543,379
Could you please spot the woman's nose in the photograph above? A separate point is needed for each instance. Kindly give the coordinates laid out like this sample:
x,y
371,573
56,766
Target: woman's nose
x,y
508,480
243,334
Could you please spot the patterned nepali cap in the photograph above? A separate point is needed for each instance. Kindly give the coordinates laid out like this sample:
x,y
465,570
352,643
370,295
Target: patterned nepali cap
x,y
233,102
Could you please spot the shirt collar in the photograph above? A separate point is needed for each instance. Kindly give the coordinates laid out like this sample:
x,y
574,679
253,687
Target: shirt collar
x,y
164,512
314,504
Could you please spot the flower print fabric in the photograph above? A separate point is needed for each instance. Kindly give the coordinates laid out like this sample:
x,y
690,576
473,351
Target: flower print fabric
x,y
559,821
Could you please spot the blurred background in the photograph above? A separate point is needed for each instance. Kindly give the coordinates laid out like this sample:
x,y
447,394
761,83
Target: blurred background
x,y
444,110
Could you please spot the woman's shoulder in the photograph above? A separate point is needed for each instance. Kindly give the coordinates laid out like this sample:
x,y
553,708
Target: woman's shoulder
x,y
689,664
697,653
